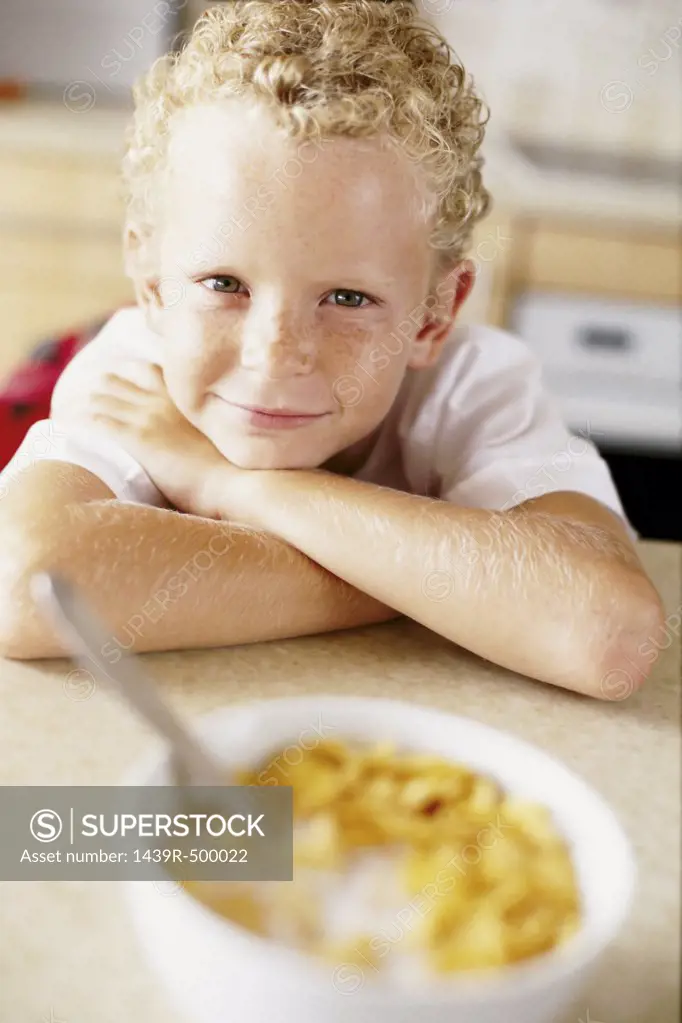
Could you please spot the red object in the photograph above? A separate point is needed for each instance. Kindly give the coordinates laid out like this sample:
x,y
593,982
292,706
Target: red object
x,y
25,397
10,89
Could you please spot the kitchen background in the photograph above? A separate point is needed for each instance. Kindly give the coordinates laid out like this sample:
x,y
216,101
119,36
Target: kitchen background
x,y
581,255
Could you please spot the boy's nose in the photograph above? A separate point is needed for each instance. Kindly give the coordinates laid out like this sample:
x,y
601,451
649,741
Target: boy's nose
x,y
276,346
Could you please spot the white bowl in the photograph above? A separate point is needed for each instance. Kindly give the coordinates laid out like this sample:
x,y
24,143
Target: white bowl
x,y
221,974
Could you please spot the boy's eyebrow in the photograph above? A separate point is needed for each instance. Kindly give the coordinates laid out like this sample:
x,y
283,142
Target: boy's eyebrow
x,y
355,282
357,279
364,276
365,271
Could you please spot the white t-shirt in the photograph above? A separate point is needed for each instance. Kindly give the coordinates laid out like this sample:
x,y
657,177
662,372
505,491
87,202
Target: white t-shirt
x,y
477,429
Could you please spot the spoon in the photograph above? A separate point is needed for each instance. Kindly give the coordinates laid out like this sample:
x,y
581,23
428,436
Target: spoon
x,y
85,637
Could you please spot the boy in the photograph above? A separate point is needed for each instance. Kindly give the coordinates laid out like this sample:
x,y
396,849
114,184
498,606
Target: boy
x,y
289,434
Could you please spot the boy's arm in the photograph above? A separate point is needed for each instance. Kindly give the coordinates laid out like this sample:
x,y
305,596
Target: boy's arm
x,y
552,588
161,579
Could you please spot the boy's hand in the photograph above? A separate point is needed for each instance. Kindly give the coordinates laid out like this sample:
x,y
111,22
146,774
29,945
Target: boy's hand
x,y
143,419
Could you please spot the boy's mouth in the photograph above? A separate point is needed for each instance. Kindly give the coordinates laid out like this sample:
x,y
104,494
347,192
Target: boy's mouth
x,y
279,413
274,419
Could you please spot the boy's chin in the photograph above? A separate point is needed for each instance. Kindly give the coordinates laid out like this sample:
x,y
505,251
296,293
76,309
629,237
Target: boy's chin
x,y
259,458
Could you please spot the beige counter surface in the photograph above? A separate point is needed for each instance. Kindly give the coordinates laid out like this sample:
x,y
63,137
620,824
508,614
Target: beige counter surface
x,y
67,950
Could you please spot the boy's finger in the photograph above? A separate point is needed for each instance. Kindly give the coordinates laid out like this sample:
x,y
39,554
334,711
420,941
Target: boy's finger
x,y
108,422
112,404
113,383
145,375
117,385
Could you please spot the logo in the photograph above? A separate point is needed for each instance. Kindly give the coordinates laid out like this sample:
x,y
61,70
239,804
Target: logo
x,y
348,391
617,97
171,291
438,586
617,685
348,978
79,685
46,825
79,97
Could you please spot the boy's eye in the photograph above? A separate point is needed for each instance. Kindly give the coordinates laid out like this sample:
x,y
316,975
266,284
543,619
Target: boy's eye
x,y
349,299
225,285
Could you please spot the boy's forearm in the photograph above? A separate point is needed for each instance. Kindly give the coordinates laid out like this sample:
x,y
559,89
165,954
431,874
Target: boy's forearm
x,y
557,600
166,581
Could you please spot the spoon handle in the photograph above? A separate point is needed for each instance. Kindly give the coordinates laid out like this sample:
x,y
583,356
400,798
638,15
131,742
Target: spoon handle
x,y
86,637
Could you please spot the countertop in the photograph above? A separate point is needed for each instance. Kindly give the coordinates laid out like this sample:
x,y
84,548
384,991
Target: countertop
x,y
67,950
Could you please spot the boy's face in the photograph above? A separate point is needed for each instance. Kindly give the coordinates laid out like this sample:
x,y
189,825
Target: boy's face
x,y
288,276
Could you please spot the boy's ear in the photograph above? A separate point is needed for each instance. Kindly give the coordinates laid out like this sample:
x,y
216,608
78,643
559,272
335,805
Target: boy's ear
x,y
137,263
442,308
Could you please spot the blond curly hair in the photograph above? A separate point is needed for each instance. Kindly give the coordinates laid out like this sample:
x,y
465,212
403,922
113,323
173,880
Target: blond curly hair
x,y
328,68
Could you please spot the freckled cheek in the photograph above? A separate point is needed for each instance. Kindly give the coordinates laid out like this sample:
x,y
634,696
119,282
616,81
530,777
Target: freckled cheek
x,y
202,348
343,350
362,380
368,355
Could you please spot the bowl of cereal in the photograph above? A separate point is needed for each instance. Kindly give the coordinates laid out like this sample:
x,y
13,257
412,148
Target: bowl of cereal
x,y
444,871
